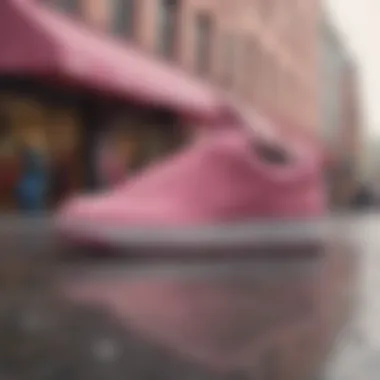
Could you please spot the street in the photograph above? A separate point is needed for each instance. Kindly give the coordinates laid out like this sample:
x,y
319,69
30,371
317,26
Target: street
x,y
358,353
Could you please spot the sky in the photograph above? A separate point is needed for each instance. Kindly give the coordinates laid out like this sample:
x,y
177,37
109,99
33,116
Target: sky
x,y
359,23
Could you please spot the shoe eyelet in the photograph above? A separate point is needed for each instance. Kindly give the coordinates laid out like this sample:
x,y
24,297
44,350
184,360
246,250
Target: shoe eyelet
x,y
272,154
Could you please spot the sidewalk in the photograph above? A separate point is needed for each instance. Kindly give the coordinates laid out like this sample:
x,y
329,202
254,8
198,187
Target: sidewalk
x,y
358,354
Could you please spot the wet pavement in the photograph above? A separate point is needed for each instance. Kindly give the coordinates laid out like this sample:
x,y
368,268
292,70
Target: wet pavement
x,y
358,352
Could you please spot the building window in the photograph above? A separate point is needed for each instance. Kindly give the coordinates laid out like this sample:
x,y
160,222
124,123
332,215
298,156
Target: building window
x,y
168,20
273,80
68,6
241,73
203,47
281,89
246,66
123,17
262,75
228,60
253,66
267,8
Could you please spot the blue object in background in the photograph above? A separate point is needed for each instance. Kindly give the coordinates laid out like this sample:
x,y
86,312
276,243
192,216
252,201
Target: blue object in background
x,y
31,190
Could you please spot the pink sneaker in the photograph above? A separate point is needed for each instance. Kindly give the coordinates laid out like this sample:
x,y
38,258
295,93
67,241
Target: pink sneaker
x,y
223,178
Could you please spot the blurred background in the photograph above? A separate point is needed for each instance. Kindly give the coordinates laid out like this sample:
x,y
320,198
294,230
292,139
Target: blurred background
x,y
93,89
307,65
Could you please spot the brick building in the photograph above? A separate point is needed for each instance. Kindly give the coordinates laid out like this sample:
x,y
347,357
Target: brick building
x,y
264,51
351,138
334,57
352,130
341,119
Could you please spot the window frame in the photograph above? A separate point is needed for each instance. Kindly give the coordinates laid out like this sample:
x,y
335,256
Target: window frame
x,y
123,18
71,7
204,28
168,24
228,59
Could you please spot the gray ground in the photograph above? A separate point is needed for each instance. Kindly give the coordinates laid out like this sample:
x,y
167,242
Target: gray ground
x,y
358,354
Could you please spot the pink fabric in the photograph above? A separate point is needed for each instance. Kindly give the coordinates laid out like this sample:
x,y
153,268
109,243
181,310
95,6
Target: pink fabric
x,y
37,40
218,179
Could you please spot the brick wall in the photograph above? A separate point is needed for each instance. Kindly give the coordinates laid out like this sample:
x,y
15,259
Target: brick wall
x,y
351,129
275,44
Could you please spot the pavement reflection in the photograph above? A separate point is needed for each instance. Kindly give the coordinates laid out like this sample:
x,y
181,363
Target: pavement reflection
x,y
358,353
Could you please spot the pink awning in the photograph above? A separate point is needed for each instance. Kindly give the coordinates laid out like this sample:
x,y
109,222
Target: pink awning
x,y
35,40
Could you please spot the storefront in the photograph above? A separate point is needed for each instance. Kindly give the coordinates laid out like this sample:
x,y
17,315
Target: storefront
x,y
82,142
343,183
41,131
130,138
74,105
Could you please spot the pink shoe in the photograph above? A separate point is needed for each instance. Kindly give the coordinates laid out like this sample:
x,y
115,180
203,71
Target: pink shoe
x,y
224,178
